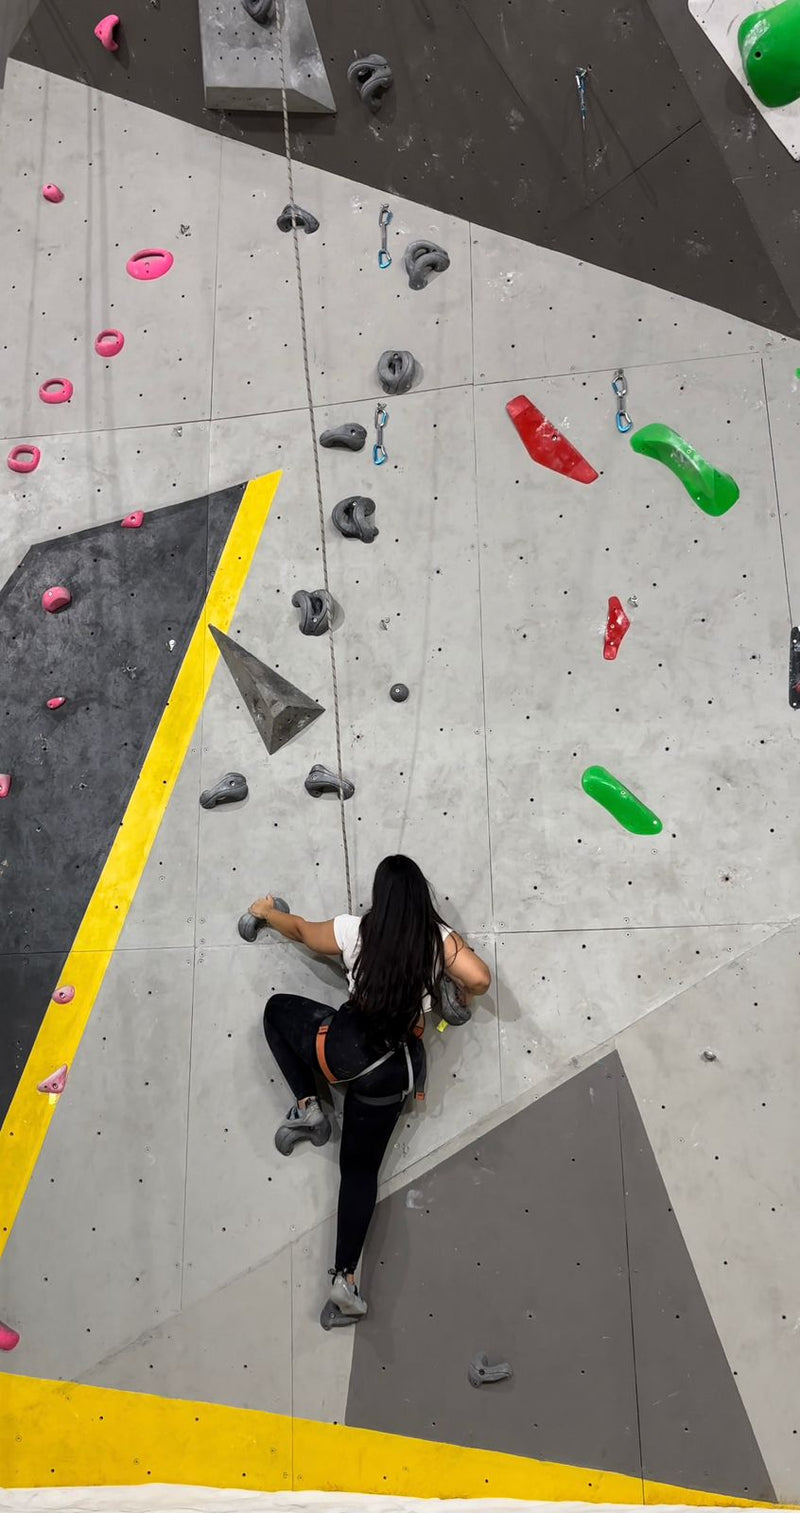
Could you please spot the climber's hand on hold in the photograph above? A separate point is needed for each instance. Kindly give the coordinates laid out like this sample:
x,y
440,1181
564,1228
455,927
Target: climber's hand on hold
x,y
262,906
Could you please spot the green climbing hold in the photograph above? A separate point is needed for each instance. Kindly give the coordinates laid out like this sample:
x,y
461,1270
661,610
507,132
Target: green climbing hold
x,y
620,802
769,42
713,491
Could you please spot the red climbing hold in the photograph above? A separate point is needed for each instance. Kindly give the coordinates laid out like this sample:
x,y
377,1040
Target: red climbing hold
x,y
56,703
151,262
56,598
24,458
545,444
55,1083
616,626
52,193
9,1338
109,342
5,784
64,994
56,391
104,32
133,520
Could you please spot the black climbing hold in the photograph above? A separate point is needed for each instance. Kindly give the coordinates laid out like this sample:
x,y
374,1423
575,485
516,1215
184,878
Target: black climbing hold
x,y
250,924
229,790
396,371
305,220
421,259
333,1318
398,693
372,77
321,780
352,517
480,1372
453,1009
261,11
794,668
278,709
316,610
350,435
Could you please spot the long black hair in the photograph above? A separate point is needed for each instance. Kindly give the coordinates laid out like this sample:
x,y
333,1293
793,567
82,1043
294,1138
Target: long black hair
x,y
401,956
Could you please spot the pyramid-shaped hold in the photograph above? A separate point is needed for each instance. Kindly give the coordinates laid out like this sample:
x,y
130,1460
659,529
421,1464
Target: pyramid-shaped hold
x,y
279,710
242,63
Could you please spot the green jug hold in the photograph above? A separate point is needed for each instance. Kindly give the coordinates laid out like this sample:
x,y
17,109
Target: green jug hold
x,y
769,42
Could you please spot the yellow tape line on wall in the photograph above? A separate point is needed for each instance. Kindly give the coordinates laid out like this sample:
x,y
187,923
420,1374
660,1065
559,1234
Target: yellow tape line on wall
x,y
28,1119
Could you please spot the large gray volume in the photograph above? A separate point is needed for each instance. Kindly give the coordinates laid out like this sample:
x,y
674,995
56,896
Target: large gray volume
x,y
241,59
278,709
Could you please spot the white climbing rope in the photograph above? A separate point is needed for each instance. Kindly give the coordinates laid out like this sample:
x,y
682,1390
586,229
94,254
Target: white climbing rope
x,y
310,400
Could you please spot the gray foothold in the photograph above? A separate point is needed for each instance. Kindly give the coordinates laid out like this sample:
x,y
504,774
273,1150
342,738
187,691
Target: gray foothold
x,y
423,258
397,371
352,517
229,790
350,435
261,11
398,693
249,924
316,610
333,1318
305,220
453,1011
708,1055
372,77
480,1372
321,780
278,709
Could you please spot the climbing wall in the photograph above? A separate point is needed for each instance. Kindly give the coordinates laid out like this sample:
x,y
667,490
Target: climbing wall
x,y
601,1188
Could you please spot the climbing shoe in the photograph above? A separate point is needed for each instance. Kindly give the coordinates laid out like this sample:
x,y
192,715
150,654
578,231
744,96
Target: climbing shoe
x,y
345,1304
303,1124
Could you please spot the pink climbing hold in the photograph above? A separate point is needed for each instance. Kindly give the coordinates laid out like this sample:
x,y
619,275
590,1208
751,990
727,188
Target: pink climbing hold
x,y
52,193
151,262
64,994
23,458
133,520
616,626
56,703
56,391
9,1339
109,343
55,1083
104,32
56,598
5,784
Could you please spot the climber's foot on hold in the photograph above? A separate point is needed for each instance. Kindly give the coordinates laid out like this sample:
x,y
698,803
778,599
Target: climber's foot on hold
x,y
306,1123
345,1304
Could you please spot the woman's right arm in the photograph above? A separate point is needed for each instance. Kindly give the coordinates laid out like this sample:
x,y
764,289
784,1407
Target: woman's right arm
x,y
465,966
318,936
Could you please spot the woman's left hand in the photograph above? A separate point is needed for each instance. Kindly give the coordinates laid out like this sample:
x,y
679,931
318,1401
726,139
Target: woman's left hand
x,y
262,906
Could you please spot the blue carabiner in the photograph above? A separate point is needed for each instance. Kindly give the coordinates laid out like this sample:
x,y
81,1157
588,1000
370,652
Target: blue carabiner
x,y
384,259
379,455
379,452
619,384
384,256
624,422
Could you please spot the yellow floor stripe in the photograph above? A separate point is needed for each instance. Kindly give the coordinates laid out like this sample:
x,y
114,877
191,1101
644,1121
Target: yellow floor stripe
x,y
62,1434
28,1119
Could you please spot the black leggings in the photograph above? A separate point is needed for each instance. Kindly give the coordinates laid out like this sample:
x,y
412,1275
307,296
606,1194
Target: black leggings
x,y
290,1025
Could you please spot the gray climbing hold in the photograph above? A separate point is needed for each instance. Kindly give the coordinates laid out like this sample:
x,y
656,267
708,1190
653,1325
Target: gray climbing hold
x,y
396,371
398,693
480,1372
229,790
261,11
333,1318
305,220
352,517
316,610
351,436
321,780
423,258
453,1011
249,924
372,77
708,1055
278,709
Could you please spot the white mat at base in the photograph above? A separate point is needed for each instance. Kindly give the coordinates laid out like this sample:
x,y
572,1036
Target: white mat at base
x,y
720,20
173,1499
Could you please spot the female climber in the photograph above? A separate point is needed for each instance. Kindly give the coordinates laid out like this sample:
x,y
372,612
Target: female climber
x,y
396,957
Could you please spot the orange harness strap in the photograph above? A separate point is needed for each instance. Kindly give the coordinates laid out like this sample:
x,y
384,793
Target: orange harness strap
x,y
323,1064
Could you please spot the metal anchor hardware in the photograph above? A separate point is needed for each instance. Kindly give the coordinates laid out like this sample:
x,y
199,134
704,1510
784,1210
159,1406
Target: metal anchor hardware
x,y
619,384
384,255
379,452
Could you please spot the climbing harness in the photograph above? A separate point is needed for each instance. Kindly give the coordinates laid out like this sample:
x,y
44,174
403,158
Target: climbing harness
x,y
281,12
580,81
619,384
414,1084
379,452
384,255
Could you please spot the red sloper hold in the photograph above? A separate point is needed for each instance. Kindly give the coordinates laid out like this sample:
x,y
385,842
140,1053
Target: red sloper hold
x,y
616,626
545,444
9,1339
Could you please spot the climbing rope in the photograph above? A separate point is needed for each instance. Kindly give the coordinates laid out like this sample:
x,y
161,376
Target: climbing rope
x,y
310,401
